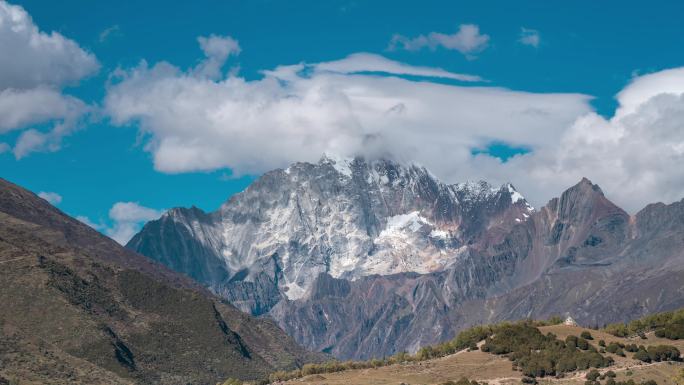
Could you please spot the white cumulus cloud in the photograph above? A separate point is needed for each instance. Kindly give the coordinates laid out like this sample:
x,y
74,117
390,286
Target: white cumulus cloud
x,y
128,218
51,197
299,112
21,108
87,221
529,37
31,80
635,155
467,40
216,49
363,105
38,58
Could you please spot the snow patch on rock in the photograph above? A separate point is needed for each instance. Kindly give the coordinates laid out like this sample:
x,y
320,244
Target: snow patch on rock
x,y
436,233
341,164
515,195
411,221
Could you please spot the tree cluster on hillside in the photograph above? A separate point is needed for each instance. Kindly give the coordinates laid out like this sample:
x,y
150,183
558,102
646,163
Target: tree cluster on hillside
x,y
539,355
658,353
533,353
651,354
666,325
466,339
594,377
617,348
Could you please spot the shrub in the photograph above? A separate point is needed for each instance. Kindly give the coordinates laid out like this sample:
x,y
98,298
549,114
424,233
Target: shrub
x,y
617,329
642,355
663,353
631,348
614,347
400,357
582,344
673,331
602,343
593,374
586,335
284,376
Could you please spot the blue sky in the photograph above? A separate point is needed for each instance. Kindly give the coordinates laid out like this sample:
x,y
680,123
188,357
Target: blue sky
x,y
595,48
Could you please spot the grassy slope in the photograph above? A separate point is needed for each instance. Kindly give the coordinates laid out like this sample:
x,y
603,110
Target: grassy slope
x,y
496,370
76,308
57,300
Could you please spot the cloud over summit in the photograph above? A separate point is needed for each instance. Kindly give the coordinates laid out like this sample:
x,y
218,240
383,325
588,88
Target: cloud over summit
x,y
364,105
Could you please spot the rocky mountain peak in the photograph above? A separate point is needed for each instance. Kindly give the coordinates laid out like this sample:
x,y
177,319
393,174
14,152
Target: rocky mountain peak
x,y
583,227
182,213
584,187
346,217
365,258
580,202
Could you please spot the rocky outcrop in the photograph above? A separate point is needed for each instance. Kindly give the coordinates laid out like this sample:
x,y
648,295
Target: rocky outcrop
x,y
347,218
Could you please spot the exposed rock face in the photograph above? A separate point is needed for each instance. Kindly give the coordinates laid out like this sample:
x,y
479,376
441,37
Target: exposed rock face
x,y
366,259
78,308
345,218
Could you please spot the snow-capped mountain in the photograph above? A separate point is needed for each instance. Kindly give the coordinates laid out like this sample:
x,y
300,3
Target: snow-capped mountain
x,y
345,217
364,259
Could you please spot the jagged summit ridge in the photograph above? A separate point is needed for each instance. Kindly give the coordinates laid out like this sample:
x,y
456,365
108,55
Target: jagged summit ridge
x,y
346,217
366,258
